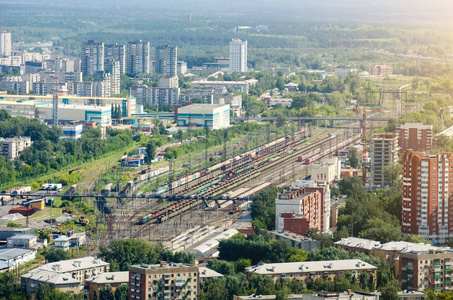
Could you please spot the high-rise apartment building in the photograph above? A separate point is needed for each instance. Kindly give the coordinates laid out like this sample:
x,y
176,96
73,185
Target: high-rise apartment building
x,y
137,61
166,60
92,57
384,151
297,210
238,56
116,52
113,67
324,191
427,186
164,281
415,136
5,43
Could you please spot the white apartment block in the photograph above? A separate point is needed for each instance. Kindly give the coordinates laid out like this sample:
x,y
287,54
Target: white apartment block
x,y
5,43
11,147
238,56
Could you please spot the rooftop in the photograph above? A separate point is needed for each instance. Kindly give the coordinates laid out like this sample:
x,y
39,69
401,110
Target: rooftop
x,y
208,273
23,236
70,106
414,125
354,242
291,236
405,247
8,253
110,277
71,265
62,238
163,265
294,194
51,277
311,266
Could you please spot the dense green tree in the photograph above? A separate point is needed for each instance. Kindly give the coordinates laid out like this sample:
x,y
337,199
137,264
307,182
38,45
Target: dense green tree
x,y
390,290
54,255
124,253
393,173
150,152
353,158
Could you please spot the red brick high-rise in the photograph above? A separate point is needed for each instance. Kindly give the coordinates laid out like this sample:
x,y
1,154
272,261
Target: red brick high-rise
x,y
415,136
427,189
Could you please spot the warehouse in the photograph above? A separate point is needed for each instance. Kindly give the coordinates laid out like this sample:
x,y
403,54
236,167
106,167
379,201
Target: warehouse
x,y
127,105
101,115
213,116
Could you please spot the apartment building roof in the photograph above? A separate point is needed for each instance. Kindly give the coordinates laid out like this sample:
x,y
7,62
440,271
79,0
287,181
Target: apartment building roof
x,y
312,266
50,277
72,265
290,235
208,273
406,247
354,242
110,277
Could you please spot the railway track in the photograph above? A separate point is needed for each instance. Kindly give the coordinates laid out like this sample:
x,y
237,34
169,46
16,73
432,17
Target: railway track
x,y
265,167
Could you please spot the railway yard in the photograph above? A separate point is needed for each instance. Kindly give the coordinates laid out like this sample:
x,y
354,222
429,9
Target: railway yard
x,y
213,196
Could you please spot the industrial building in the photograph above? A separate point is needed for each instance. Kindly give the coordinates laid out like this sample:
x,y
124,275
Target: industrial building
x,y
427,188
415,136
313,269
240,86
19,105
11,147
213,116
384,151
101,115
169,280
72,131
11,258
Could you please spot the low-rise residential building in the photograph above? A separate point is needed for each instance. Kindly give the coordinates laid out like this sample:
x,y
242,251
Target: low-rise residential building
x,y
206,273
80,268
313,269
297,240
291,87
381,70
64,282
98,282
164,280
320,296
11,258
353,244
429,270
61,242
11,147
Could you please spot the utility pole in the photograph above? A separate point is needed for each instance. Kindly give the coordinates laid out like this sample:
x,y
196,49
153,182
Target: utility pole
x,y
55,102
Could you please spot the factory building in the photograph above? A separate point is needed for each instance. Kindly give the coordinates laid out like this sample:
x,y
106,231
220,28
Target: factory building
x,y
101,115
19,105
213,116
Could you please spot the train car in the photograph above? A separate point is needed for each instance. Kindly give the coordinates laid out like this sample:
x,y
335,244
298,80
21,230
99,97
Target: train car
x,y
107,189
